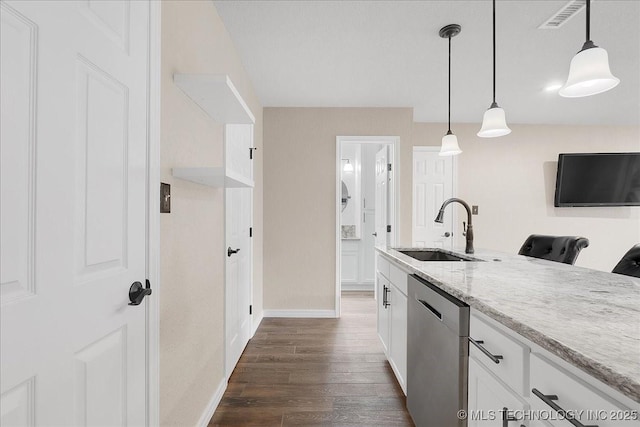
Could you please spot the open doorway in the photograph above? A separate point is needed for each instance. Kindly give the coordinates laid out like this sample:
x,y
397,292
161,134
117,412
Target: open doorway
x,y
366,208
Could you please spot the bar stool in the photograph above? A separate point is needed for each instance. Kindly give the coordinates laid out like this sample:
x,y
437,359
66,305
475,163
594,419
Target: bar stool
x,y
563,249
629,265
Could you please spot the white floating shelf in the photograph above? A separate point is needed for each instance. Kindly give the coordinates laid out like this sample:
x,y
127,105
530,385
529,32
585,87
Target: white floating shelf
x,y
213,177
217,96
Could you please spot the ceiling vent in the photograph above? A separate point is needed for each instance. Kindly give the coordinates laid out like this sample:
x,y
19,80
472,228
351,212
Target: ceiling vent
x,y
565,13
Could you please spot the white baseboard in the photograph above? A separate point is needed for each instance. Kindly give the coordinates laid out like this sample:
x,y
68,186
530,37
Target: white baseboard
x,y
301,313
357,286
213,404
256,324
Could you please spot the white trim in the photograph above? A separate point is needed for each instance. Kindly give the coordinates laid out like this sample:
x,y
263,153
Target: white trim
x,y
394,141
301,313
358,286
153,214
206,416
256,324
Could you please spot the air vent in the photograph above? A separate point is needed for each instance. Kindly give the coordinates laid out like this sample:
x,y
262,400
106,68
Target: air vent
x,y
561,17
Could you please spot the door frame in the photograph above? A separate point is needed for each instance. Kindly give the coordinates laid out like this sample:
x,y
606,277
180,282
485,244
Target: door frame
x,y
454,187
153,212
394,142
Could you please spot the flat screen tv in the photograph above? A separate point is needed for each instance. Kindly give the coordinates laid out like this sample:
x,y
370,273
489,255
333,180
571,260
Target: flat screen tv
x,y
598,179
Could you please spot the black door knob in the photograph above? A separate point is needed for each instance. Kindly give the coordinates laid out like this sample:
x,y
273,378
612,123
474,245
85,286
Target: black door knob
x,y
137,293
232,251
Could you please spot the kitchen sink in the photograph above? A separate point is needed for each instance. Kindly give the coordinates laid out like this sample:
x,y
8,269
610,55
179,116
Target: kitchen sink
x,y
435,255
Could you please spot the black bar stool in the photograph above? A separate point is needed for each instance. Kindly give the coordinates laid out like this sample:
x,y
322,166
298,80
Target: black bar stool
x,y
563,249
629,265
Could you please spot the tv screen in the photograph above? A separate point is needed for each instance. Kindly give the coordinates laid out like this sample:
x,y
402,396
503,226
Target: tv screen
x,y
598,179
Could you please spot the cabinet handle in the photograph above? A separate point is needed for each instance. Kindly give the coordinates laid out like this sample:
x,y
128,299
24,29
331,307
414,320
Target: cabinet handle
x,y
549,400
494,357
386,298
506,417
430,308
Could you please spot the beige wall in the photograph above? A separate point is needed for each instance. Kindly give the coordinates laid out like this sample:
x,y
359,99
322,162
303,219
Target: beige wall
x,y
299,197
512,180
194,40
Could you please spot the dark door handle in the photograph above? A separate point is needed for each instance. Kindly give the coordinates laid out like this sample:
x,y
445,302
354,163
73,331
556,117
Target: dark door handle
x,y
232,251
137,293
374,234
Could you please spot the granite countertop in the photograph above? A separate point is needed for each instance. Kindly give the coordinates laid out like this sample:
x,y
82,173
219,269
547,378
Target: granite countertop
x,y
589,318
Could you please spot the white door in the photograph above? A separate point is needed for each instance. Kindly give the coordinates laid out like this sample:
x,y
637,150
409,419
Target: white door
x,y
432,185
382,186
73,212
238,274
239,219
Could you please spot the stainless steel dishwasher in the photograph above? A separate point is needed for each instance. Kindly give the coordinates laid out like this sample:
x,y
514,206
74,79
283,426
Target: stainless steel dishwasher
x,y
437,355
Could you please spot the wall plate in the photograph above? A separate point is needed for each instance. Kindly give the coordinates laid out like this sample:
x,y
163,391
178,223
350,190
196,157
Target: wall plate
x,y
165,198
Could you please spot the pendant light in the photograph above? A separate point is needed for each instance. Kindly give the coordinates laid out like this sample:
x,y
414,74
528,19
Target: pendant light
x,y
494,122
450,141
348,167
589,72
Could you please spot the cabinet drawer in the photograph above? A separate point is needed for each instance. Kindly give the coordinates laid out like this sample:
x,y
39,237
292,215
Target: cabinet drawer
x,y
382,265
398,277
511,368
574,395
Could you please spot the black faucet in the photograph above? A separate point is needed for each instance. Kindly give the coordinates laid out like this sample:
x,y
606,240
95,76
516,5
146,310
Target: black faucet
x,y
469,230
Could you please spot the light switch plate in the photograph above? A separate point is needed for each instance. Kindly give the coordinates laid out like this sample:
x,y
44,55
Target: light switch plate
x,y
474,210
165,198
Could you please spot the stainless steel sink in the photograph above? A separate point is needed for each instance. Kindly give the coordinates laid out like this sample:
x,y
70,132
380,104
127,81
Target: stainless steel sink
x,y
435,255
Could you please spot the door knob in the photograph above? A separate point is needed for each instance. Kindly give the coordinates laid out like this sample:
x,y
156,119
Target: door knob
x,y
137,293
374,234
232,251
446,234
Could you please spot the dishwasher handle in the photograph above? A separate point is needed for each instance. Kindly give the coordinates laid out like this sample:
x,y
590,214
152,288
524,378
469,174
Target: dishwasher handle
x,y
496,358
430,308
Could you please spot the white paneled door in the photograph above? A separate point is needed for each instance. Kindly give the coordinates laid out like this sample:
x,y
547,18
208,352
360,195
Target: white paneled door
x,y
382,188
74,79
432,185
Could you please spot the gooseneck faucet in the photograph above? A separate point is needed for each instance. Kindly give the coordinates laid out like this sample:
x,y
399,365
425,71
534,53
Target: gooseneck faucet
x,y
469,231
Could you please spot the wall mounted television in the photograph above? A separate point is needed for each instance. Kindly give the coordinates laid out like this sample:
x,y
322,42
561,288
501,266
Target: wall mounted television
x,y
598,179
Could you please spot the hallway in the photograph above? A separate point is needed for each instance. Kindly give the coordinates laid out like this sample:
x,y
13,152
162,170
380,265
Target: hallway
x,y
298,372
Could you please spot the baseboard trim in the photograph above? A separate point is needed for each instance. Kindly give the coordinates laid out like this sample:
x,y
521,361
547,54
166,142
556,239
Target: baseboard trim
x,y
206,416
357,286
301,313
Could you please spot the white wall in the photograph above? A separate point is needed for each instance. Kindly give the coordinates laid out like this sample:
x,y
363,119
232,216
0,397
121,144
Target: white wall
x,y
512,180
194,40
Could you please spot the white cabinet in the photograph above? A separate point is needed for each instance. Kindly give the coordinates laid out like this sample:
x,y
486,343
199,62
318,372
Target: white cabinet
x,y
534,383
392,316
490,400
383,312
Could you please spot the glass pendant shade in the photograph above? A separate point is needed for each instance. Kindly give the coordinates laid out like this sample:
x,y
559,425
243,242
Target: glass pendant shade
x,y
348,167
494,123
589,74
450,145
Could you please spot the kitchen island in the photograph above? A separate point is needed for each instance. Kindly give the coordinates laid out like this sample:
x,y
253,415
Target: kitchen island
x,y
588,319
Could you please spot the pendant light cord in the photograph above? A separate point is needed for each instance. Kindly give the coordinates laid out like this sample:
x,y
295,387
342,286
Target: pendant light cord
x,y
494,53
449,116
588,20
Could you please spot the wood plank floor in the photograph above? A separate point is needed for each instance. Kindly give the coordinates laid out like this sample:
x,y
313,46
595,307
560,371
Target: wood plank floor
x,y
312,372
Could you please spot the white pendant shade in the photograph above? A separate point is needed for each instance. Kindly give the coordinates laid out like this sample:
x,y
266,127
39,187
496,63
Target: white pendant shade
x,y
494,123
589,74
450,145
348,167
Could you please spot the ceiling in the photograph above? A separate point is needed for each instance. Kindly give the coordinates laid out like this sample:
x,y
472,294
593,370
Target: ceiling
x,y
389,54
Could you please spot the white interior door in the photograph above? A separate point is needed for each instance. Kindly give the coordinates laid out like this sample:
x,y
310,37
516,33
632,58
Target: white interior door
x,y
239,219
382,207
238,274
432,185
73,212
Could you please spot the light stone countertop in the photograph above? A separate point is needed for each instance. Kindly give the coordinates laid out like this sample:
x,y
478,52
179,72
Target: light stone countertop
x,y
589,318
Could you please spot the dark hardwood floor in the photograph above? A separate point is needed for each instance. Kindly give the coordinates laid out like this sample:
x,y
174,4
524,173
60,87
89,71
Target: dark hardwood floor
x,y
303,372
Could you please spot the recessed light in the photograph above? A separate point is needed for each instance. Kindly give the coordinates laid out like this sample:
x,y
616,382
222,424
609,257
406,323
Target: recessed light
x,y
553,87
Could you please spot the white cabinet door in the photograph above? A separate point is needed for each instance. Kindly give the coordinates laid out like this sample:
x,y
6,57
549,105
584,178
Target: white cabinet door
x,y
238,141
383,312
73,210
490,400
398,353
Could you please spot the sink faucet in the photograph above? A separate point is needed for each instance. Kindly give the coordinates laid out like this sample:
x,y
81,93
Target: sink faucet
x,y
469,230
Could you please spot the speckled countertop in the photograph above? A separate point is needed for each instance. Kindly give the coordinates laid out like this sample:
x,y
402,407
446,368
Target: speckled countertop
x,y
589,318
